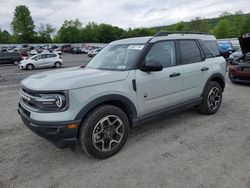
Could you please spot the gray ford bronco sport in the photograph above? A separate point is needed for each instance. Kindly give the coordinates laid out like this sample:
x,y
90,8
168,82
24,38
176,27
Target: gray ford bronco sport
x,y
128,82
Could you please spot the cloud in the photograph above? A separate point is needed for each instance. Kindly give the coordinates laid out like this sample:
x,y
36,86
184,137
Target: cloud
x,y
123,13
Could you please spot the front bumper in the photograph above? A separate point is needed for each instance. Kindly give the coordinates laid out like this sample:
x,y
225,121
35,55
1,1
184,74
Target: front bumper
x,y
56,132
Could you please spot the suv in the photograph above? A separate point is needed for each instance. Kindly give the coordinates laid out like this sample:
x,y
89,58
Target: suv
x,y
10,58
128,82
43,60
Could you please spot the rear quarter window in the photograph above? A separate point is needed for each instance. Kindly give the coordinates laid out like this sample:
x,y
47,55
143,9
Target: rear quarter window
x,y
213,46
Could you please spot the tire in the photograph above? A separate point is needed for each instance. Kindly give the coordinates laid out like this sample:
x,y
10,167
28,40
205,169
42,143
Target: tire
x,y
104,131
212,98
30,67
57,65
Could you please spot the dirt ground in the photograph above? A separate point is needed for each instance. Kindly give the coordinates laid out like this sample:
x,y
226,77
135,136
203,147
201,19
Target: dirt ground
x,y
185,150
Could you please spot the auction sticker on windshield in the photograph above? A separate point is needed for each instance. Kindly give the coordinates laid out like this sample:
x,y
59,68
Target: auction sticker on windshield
x,y
135,47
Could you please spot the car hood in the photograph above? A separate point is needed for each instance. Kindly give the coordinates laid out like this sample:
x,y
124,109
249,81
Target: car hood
x,y
71,78
245,43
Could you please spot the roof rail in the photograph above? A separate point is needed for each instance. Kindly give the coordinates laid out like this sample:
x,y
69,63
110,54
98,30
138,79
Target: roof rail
x,y
166,33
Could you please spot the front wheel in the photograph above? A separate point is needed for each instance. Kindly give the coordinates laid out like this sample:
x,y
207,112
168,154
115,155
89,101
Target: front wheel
x,y
30,67
212,98
104,131
57,65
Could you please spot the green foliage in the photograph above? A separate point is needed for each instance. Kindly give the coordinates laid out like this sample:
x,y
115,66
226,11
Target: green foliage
x,y
245,26
23,25
200,25
222,30
70,31
44,33
181,26
139,32
5,37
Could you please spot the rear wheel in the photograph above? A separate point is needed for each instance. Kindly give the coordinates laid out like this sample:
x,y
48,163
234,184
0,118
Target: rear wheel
x,y
212,98
104,131
30,67
57,65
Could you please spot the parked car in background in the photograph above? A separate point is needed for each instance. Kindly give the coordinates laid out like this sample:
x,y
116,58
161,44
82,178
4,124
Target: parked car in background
x,y
226,48
66,48
240,70
10,58
77,50
24,54
43,60
4,48
33,52
94,52
234,56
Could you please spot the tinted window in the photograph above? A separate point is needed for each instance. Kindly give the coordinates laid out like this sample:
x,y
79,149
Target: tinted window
x,y
162,52
213,46
38,57
208,53
50,55
190,52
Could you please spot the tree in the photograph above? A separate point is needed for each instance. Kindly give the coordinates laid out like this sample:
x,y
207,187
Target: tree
x,y
108,33
5,37
70,31
199,25
245,26
23,25
44,33
89,33
225,13
222,30
181,26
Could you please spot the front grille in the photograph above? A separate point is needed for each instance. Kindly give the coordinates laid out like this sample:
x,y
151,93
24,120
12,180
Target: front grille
x,y
28,97
26,112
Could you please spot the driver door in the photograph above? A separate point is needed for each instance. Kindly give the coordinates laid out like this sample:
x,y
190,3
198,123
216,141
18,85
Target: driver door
x,y
159,90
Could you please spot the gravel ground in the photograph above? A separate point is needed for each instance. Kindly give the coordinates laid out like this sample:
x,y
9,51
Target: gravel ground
x,y
183,150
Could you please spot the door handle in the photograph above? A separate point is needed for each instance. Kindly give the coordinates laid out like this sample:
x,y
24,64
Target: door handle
x,y
204,69
174,74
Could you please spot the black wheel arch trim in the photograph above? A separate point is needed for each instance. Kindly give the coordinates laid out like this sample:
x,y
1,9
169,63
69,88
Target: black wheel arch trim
x,y
214,76
126,102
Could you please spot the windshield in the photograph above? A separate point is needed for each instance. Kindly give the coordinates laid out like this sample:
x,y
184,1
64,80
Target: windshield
x,y
116,57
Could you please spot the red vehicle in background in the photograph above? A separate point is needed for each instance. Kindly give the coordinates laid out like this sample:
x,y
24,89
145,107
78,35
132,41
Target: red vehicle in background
x,y
239,71
24,54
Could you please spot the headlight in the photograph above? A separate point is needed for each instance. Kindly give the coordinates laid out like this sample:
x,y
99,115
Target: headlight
x,y
51,101
57,101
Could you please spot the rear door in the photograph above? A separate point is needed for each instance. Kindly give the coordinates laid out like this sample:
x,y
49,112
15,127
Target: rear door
x,y
50,60
162,89
196,68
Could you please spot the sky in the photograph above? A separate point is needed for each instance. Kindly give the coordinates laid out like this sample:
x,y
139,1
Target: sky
x,y
123,13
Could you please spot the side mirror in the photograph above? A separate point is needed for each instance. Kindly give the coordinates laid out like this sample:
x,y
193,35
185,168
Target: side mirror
x,y
151,66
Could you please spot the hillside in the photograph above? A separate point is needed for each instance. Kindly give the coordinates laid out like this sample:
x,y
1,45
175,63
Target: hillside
x,y
227,25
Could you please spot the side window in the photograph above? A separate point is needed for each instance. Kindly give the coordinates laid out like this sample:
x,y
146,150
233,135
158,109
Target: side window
x,y
213,46
162,52
37,57
190,52
50,55
208,53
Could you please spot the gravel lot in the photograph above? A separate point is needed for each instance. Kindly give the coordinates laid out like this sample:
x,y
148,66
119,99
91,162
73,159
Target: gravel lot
x,y
185,150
